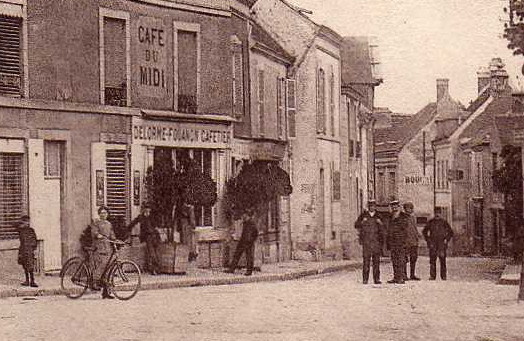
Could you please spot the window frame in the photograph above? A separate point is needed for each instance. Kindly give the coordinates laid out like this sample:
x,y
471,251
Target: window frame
x,y
261,101
321,101
121,15
187,27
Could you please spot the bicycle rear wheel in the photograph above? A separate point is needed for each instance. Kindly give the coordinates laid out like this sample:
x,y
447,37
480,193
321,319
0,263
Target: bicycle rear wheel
x,y
125,279
74,278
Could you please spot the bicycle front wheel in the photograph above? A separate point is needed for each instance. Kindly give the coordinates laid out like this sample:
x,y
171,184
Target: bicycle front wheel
x,y
74,278
125,279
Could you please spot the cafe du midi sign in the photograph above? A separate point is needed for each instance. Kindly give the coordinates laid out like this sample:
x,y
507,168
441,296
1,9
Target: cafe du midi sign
x,y
181,134
152,56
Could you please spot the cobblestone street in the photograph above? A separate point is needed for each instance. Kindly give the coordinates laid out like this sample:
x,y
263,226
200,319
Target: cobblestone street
x,y
469,306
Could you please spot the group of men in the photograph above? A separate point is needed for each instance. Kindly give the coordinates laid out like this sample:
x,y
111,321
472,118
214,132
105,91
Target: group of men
x,y
398,232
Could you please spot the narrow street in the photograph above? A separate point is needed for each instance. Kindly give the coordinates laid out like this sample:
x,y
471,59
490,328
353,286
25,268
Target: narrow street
x,y
469,306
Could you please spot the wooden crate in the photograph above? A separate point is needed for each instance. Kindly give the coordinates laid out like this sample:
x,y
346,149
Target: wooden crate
x,y
173,258
210,254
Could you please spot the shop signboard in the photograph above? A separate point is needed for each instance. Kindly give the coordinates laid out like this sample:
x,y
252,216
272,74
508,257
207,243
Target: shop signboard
x,y
181,134
151,40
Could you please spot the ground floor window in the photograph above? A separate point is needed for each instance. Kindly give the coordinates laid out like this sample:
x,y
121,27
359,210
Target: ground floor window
x,y
179,159
11,193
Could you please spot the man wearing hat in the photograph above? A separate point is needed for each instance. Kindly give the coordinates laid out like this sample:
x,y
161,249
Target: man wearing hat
x,y
396,241
150,235
437,234
371,236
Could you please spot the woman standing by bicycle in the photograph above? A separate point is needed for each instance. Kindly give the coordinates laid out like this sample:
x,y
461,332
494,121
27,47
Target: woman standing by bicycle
x,y
101,232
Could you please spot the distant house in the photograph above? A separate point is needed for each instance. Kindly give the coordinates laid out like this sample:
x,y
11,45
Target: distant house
x,y
404,159
360,76
467,158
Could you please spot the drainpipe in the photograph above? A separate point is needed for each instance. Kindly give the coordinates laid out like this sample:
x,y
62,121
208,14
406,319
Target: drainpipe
x,y
434,176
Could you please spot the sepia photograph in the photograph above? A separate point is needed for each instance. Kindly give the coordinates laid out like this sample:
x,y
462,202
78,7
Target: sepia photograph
x,y
270,170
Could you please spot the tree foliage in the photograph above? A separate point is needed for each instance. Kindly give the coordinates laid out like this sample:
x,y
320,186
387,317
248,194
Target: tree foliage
x,y
508,180
257,183
514,27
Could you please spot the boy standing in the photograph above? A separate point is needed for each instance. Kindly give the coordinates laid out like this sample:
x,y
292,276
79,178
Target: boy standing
x,y
26,251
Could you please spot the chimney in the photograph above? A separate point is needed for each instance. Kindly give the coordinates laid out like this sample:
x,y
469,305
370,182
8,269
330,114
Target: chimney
x,y
499,76
442,88
483,77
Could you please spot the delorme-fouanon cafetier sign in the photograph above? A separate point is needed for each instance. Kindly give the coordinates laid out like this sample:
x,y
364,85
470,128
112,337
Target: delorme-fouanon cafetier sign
x,y
181,134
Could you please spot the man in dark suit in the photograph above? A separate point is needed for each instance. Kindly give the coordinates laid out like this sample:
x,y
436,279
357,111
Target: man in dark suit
x,y
396,241
150,235
371,236
437,234
246,244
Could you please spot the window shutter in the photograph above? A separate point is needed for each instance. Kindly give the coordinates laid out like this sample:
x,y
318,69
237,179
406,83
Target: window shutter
x,y
10,53
332,103
11,193
280,107
117,189
321,103
261,102
291,105
238,81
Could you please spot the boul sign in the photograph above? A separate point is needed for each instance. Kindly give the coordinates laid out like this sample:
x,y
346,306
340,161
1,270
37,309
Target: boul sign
x,y
152,41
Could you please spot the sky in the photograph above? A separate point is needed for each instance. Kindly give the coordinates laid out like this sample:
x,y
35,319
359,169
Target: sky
x,y
422,40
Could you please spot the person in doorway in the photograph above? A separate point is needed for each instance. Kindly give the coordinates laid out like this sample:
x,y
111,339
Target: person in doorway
x,y
437,234
412,237
396,241
186,225
371,236
149,235
246,244
101,233
26,251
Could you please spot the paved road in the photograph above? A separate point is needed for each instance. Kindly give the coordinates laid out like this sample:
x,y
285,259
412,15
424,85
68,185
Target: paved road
x,y
469,306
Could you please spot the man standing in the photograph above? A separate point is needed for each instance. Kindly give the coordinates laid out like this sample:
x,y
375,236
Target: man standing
x,y
150,235
412,236
371,237
437,234
246,244
396,241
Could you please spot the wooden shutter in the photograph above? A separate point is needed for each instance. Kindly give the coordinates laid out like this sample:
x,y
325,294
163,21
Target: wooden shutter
x,y
10,66
238,81
116,183
332,103
261,102
11,193
280,108
321,102
291,107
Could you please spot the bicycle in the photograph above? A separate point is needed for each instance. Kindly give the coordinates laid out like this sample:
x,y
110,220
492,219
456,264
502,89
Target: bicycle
x,y
121,276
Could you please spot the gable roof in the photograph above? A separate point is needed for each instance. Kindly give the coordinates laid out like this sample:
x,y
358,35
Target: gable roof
x,y
396,137
508,127
485,121
261,36
356,61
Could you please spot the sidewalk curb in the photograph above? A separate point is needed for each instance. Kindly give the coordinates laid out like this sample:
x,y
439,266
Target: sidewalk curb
x,y
510,275
196,282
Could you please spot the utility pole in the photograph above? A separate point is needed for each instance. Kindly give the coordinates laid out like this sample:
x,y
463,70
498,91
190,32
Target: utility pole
x,y
521,286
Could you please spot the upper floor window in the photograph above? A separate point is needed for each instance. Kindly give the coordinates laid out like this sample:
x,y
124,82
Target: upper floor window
x,y
332,102
291,106
114,58
10,56
281,105
187,67
238,77
321,101
261,101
